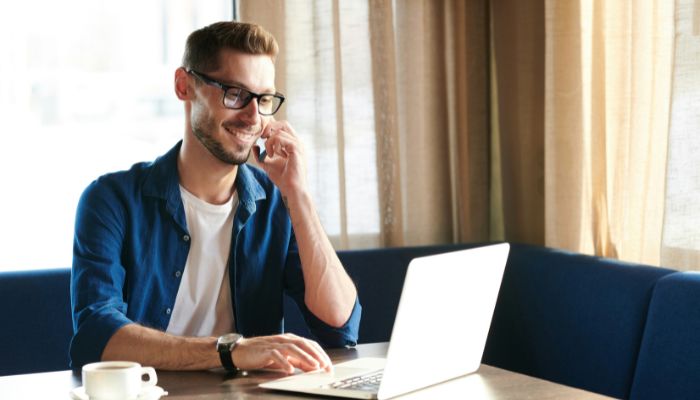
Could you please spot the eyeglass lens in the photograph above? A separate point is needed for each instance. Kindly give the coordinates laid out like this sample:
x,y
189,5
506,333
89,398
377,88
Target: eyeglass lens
x,y
237,98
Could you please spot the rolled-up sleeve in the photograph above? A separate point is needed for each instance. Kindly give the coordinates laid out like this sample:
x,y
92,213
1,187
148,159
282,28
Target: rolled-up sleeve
x,y
328,336
97,277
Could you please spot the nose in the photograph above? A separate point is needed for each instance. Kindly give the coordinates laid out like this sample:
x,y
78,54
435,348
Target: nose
x,y
250,112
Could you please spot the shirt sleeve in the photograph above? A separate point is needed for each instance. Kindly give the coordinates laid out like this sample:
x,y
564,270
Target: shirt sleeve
x,y
97,276
327,336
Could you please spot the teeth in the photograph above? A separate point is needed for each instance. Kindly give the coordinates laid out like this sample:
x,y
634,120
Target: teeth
x,y
239,133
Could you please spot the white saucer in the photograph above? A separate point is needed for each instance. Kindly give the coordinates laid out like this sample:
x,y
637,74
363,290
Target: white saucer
x,y
149,393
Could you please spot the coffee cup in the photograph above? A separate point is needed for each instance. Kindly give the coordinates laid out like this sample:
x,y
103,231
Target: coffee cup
x,y
116,380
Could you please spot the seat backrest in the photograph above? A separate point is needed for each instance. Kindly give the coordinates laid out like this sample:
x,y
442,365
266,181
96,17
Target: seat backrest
x,y
669,358
36,321
378,275
571,318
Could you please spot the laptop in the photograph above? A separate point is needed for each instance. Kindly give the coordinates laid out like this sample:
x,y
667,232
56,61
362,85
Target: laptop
x,y
440,330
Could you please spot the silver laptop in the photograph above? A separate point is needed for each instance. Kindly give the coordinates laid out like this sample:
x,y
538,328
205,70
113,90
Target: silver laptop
x,y
439,333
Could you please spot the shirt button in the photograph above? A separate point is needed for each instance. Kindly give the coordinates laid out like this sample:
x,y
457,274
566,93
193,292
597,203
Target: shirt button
x,y
168,311
186,238
177,274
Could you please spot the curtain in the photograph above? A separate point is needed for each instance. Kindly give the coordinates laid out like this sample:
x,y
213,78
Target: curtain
x,y
518,195
681,230
392,103
569,124
607,99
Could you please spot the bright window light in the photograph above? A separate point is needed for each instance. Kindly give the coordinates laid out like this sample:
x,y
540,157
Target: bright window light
x,y
87,88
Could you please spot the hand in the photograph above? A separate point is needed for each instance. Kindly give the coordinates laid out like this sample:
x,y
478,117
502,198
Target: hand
x,y
285,162
284,352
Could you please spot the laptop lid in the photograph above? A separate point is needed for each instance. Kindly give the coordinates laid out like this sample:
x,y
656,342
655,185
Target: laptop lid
x,y
443,318
440,329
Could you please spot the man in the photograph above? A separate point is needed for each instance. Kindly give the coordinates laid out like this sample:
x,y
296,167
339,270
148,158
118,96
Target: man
x,y
170,257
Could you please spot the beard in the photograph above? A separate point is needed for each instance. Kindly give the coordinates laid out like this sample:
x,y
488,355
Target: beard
x,y
204,128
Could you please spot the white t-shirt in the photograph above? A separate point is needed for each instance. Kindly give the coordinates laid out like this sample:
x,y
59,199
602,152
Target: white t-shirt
x,y
203,304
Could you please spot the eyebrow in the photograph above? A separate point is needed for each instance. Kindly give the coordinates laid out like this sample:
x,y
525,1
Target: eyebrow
x,y
246,87
234,83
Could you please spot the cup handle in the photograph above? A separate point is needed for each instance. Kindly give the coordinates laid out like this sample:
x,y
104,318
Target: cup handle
x,y
152,377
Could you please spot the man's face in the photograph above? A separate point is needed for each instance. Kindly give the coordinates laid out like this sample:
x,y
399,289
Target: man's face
x,y
230,134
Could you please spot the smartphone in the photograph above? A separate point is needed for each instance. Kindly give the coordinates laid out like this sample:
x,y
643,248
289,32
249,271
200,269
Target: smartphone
x,y
261,144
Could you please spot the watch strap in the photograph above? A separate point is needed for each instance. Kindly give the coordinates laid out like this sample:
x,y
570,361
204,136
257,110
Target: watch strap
x,y
227,360
225,346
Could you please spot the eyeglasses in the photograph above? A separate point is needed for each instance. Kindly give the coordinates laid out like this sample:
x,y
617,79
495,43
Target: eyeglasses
x,y
236,97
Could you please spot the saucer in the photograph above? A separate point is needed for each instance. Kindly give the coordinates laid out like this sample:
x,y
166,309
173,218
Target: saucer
x,y
149,393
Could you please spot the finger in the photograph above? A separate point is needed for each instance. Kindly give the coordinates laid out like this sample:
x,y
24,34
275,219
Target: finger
x,y
267,129
282,145
327,363
279,128
282,351
313,349
281,361
285,127
304,360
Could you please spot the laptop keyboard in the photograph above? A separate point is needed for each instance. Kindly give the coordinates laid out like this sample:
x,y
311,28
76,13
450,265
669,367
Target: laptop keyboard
x,y
368,382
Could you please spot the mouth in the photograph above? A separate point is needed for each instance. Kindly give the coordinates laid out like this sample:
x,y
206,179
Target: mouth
x,y
245,134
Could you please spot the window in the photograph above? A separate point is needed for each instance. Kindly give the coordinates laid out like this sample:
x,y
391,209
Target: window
x,y
87,88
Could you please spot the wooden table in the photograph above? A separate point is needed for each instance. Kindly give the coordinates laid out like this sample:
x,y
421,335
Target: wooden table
x,y
488,383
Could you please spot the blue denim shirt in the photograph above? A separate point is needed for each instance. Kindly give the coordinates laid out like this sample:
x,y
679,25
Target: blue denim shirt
x,y
130,247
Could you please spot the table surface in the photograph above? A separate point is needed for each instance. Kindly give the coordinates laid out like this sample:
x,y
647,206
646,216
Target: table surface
x,y
487,383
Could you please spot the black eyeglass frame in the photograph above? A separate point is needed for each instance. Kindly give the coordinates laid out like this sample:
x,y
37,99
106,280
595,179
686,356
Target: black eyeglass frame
x,y
245,99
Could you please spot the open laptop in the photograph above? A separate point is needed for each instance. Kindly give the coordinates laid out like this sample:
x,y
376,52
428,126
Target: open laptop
x,y
439,333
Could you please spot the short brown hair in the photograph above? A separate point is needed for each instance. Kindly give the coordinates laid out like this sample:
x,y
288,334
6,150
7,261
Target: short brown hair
x,y
203,45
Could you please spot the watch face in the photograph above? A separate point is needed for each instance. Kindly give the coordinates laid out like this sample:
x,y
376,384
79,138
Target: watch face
x,y
229,338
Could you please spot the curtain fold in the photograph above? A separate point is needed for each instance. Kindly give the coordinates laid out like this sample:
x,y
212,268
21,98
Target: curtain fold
x,y
518,45
424,139
467,61
383,45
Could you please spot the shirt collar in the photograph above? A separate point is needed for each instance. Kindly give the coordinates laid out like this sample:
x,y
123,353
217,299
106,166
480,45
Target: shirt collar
x,y
248,187
163,182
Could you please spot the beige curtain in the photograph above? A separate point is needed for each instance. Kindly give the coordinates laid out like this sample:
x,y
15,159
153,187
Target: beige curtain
x,y
681,230
570,124
392,102
608,83
614,169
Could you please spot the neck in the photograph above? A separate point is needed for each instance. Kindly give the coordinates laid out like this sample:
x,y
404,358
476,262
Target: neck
x,y
204,175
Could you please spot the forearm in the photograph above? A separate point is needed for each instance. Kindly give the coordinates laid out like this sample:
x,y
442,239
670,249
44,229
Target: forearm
x,y
329,291
168,352
161,350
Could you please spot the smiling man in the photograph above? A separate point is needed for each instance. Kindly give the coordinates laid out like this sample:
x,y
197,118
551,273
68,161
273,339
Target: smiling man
x,y
182,263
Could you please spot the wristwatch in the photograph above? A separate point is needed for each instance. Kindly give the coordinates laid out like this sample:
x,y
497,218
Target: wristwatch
x,y
225,345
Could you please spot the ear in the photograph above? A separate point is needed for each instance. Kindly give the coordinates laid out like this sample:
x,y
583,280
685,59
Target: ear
x,y
183,91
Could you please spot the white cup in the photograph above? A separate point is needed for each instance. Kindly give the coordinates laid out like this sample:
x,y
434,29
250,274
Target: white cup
x,y
116,380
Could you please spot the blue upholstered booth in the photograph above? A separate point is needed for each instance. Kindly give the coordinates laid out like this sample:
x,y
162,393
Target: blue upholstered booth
x,y
571,319
37,325
36,321
669,359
